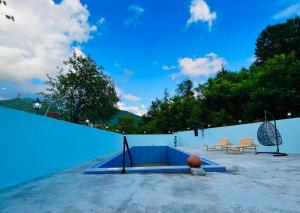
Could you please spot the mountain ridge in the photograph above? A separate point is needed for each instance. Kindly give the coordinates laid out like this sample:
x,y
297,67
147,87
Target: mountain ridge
x,y
26,104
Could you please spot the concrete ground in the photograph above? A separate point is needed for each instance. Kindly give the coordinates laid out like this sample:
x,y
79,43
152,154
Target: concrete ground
x,y
255,183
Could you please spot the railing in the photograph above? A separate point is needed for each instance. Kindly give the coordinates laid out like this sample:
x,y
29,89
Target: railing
x,y
125,146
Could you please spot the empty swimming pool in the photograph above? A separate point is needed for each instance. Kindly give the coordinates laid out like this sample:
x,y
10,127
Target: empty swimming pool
x,y
151,159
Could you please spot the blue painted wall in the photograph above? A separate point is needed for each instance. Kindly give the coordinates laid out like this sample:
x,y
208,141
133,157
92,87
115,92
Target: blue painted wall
x,y
288,128
33,146
150,140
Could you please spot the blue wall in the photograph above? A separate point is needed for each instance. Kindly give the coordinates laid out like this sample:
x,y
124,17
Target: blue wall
x,y
288,128
32,146
150,140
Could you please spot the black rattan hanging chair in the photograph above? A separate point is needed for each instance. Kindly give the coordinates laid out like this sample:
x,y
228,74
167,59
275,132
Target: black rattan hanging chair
x,y
268,135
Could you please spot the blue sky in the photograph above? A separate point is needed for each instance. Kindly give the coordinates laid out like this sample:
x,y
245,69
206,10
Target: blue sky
x,y
146,46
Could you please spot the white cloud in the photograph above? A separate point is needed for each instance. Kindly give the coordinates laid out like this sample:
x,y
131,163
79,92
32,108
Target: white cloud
x,y
118,91
79,52
101,25
175,75
195,67
102,20
137,109
136,9
166,67
40,39
131,98
127,96
292,10
200,11
135,12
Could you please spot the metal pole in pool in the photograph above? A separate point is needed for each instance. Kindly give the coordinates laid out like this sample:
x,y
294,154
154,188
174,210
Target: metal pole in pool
x,y
123,169
128,150
276,137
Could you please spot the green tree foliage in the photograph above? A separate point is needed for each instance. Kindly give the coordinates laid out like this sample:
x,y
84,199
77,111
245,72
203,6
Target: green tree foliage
x,y
172,113
270,84
232,96
226,96
185,88
279,39
127,124
83,91
277,87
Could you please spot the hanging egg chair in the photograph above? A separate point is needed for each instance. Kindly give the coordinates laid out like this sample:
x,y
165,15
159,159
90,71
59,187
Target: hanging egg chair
x,y
268,135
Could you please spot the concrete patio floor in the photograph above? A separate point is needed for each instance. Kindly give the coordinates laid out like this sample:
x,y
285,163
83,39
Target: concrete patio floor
x,y
255,183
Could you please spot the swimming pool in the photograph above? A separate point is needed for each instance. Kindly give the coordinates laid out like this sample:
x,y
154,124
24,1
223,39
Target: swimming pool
x,y
151,159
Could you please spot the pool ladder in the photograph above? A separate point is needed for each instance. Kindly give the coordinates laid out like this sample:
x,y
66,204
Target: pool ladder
x,y
125,146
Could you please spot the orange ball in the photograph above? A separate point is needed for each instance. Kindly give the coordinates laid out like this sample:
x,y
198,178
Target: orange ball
x,y
194,162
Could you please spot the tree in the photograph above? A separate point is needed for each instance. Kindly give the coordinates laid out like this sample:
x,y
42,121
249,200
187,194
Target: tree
x,y
272,83
83,91
185,88
127,124
173,113
9,17
278,39
153,111
277,87
164,120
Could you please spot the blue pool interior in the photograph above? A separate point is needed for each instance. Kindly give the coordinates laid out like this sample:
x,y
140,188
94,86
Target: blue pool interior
x,y
147,159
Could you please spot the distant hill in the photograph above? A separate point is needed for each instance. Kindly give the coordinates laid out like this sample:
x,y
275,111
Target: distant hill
x,y
26,104
114,120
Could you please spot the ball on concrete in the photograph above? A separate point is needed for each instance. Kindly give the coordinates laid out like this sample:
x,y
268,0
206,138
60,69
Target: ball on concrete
x,y
194,162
